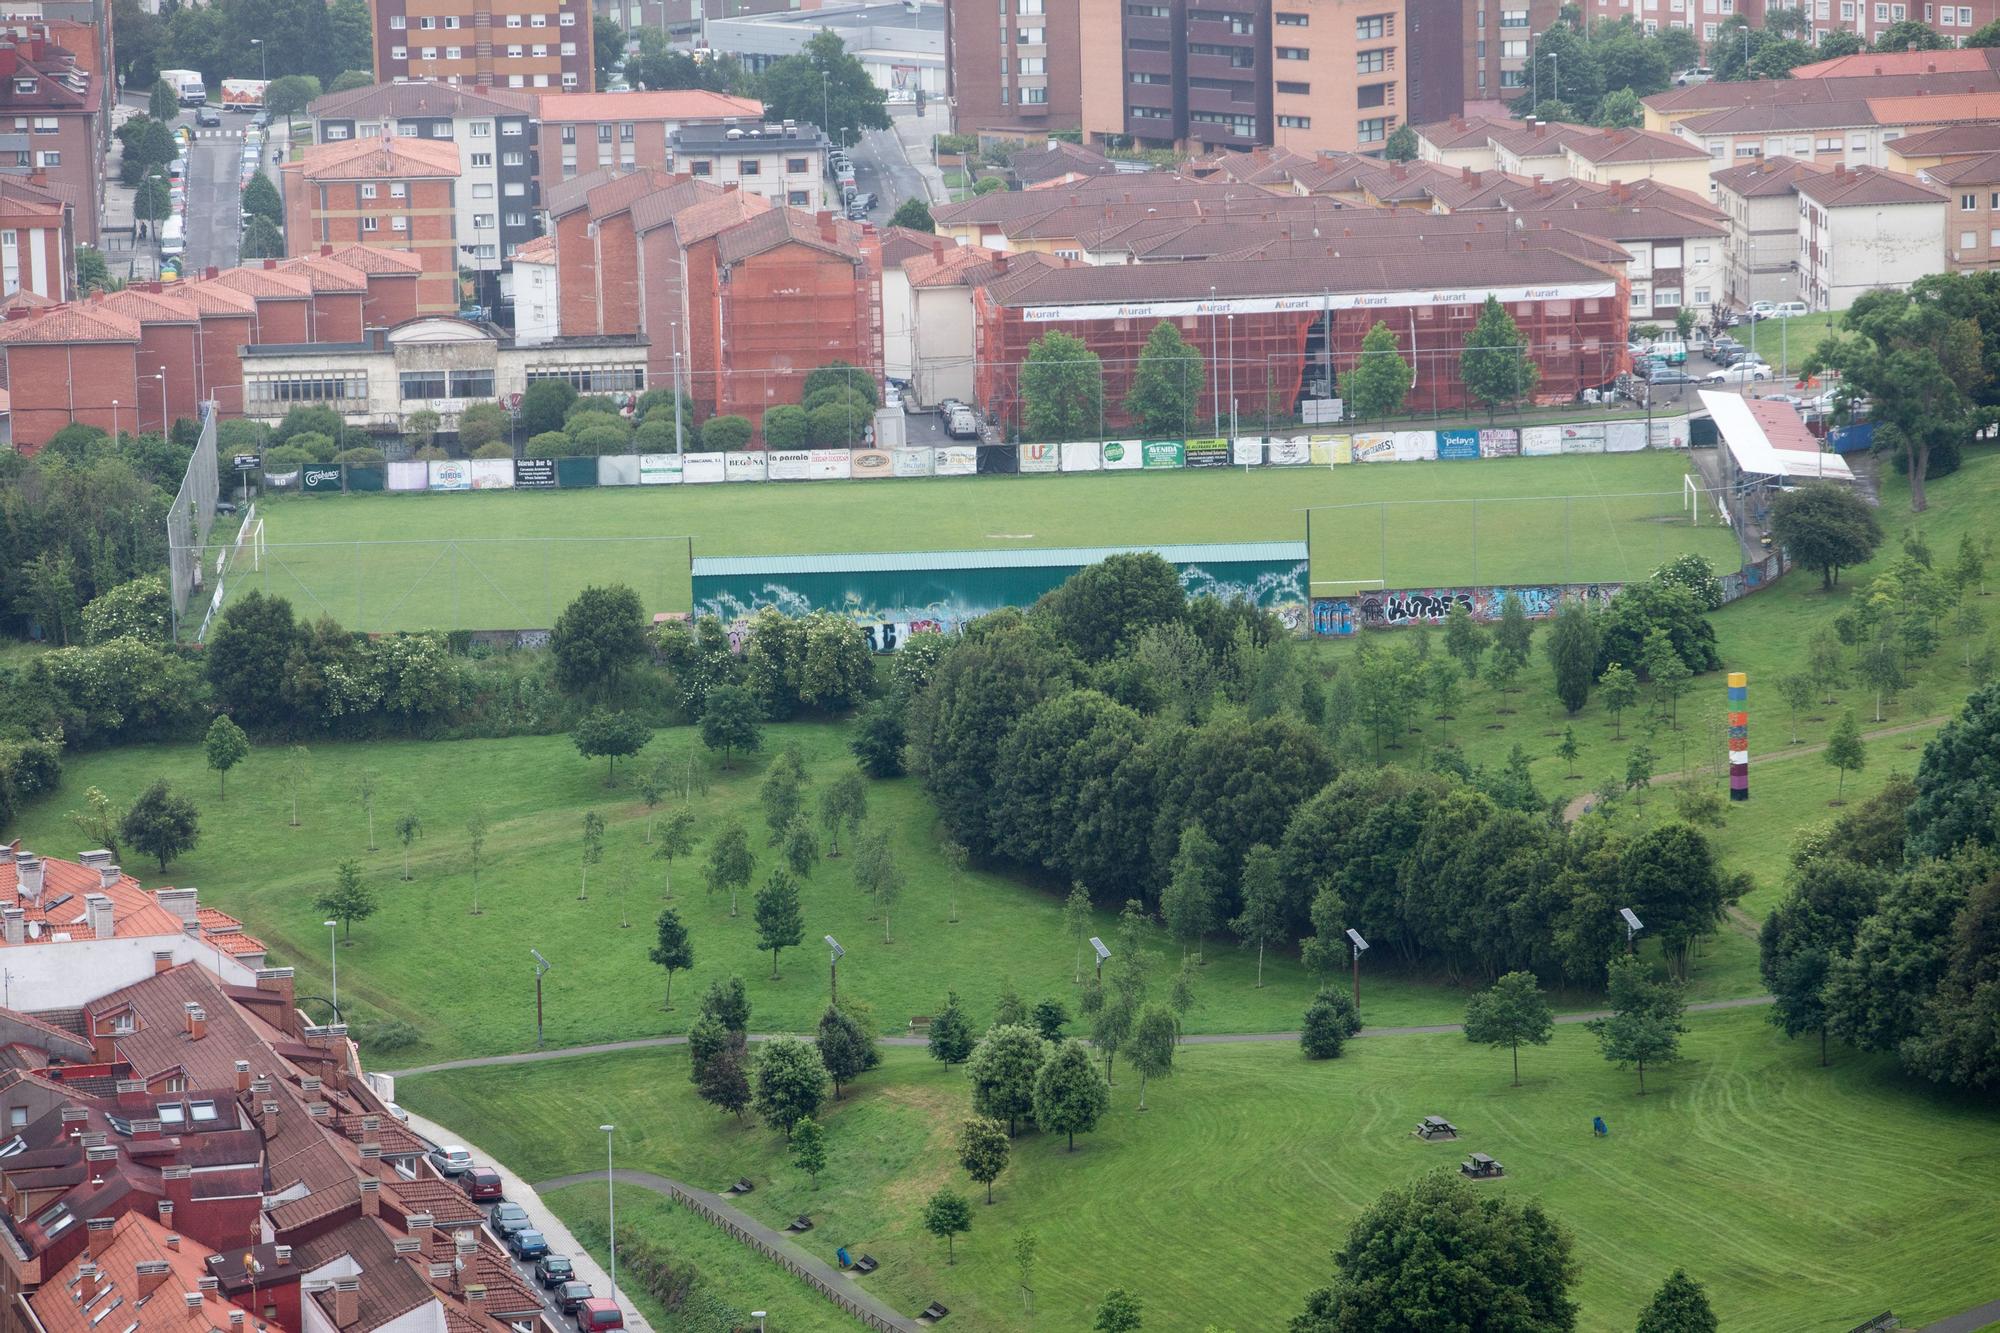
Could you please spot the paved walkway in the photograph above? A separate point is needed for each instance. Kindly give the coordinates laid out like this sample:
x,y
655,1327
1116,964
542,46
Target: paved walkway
x,y
1970,1321
915,133
560,1238
844,1291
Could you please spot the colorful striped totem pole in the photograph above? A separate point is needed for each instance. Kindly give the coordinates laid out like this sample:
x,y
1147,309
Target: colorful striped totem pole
x,y
1739,736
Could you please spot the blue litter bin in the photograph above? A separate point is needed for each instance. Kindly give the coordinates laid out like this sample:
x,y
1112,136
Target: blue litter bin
x,y
841,1254
1598,1126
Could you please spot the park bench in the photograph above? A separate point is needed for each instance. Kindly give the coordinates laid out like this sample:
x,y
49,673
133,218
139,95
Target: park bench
x,y
866,1264
1435,1128
1481,1167
800,1223
742,1186
920,1025
933,1312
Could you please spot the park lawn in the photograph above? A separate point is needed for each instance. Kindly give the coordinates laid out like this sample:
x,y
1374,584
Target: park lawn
x,y
1777,339
1805,1198
513,559
466,982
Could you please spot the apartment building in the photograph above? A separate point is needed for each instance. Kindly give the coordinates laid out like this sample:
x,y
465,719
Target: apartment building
x,y
509,44
1498,35
37,241
51,99
1864,228
1015,67
1760,200
784,163
497,199
386,191
1972,222
585,132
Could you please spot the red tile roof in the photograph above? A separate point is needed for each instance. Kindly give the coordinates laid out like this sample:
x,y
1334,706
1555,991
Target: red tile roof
x,y
1609,146
1976,137
1867,186
679,104
124,1298
377,259
1866,63
1767,177
1937,108
380,158
263,282
541,250
327,274
59,907
784,226
1984,169
70,324
700,221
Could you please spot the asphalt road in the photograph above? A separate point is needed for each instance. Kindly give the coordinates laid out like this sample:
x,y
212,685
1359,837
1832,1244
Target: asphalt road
x,y
882,169
214,227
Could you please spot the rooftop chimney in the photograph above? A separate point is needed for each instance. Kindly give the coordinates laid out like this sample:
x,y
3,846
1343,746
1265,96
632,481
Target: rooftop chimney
x,y
1840,168
166,1212
236,1319
108,876
98,913
181,902
197,1022
371,1197
152,1272
88,1288
163,959
346,1300
100,1235
282,1253
15,925
174,1241
826,232
28,876
193,1299
243,1076
100,857
416,1222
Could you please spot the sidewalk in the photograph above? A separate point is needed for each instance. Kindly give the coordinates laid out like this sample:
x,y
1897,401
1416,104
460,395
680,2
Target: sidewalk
x,y
559,1236
914,133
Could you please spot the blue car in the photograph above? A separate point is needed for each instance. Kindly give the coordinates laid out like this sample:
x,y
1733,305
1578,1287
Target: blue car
x,y
527,1244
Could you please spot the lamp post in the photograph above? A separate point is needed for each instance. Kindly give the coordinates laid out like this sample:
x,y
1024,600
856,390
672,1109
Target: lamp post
x,y
833,970
114,421
611,1205
1555,78
166,417
541,965
263,59
1632,927
333,952
1358,944
1102,954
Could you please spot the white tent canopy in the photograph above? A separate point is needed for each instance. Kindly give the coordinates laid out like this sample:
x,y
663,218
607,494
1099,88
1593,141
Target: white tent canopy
x,y
1768,439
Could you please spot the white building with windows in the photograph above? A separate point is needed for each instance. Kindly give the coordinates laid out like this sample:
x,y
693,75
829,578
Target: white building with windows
x,y
782,162
1864,229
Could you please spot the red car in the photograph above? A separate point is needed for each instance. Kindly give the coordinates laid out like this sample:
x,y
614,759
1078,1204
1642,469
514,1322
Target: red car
x,y
599,1315
482,1184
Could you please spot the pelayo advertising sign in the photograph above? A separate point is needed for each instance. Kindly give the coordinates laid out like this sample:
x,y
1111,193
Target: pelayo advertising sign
x,y
535,473
320,477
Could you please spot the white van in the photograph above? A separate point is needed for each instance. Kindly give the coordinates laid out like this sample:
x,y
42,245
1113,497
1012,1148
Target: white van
x,y
1790,309
173,237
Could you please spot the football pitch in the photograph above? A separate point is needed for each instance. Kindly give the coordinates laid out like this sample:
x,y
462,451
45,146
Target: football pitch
x,y
513,559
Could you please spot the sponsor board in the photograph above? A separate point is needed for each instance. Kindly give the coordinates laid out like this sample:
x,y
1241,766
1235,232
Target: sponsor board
x,y
1206,453
533,473
319,477
1123,455
1501,443
659,469
1247,452
1458,444
1268,305
492,474
1670,433
1416,446
1040,457
912,462
744,466
704,468
1164,453
1291,452
1082,456
956,460
618,470
870,463
788,465
1624,437
450,474
1374,448
829,464
1541,441
1583,439
410,474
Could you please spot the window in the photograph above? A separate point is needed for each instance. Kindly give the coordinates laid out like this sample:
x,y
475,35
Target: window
x,y
398,190
428,53
538,20
1239,57
1030,37
368,191
625,132
399,224
1513,18
1141,76
50,159
517,219
795,165
598,379
1371,62
604,134
1295,122
399,53
419,384
1034,96
1034,65
1513,50
538,50
427,23
566,21
17,1117
1240,24
515,52
482,159
1295,90
513,20
513,189
450,53
1149,11
1294,53
371,224
511,127
1702,296
471,384
1374,130
701,168
1372,28
1667,298
201,1111
515,159
397,23
451,21
568,49
482,191
1029,7
1968,202
172,1113
749,166
1284,20
1372,94
1968,239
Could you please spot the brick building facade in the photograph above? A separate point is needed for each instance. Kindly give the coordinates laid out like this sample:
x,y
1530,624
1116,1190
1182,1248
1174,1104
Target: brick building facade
x,y
387,191
528,44
51,97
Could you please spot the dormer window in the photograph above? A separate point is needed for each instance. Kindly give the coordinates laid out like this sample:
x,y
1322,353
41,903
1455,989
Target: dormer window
x,y
200,1112
25,85
172,1113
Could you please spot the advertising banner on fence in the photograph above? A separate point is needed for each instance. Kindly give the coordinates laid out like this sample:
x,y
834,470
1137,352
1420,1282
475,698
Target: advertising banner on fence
x,y
1416,446
1040,457
1501,443
1206,453
576,472
1123,455
828,464
704,468
746,466
1458,444
1082,456
787,465
529,473
372,478
618,470
659,469
1374,448
412,474
956,460
870,463
1583,438
1293,452
492,474
1164,453
1247,452
1670,432
1624,437
450,474
1541,441
320,478
913,462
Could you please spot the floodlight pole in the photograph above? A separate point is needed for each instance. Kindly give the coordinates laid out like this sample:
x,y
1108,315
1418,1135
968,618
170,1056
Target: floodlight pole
x,y
1357,979
834,954
541,965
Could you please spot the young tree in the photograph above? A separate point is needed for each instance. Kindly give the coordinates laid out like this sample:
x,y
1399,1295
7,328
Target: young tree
x,y
1152,1048
1464,640
915,214
877,875
846,1047
163,103
951,1033
844,804
1062,389
1003,1069
783,793
1509,1012
954,854
298,776
1010,1010
597,636
1401,145
1797,689
1679,1306
676,839
592,849
1845,751
1496,368
671,950
161,824
946,1214
1380,379
1826,527
1567,750
612,735
720,1081
1969,572
225,747
809,1148
1076,925
729,864
1617,690
728,1005
1027,1247
1329,1021
1645,1025
1195,884
800,848
780,919
1166,384
1117,1313
348,901
1639,771
1572,650
1263,918
1325,951
1071,1094
983,1148
408,829
730,722
790,1084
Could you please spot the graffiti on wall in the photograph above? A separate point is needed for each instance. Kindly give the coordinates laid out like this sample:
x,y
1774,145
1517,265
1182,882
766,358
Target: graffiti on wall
x,y
1337,617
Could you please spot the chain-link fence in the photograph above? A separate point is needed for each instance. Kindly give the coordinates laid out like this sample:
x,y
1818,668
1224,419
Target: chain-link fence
x,y
191,516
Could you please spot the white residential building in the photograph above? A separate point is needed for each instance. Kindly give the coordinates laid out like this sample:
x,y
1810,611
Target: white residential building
x,y
1865,229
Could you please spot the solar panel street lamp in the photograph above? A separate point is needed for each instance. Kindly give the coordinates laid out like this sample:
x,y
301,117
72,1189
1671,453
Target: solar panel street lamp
x,y
1102,954
833,969
1632,927
333,952
1359,945
541,965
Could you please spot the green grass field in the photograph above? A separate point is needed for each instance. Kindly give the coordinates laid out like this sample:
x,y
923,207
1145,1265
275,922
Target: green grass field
x,y
512,559
1806,1198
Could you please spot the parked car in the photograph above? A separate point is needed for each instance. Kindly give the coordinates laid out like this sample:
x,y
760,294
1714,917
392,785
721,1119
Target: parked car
x,y
511,1217
1689,77
1674,376
450,1159
481,1184
1743,372
598,1315
527,1244
1763,309
962,424
1790,309
554,1270
393,1109
572,1294
207,116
